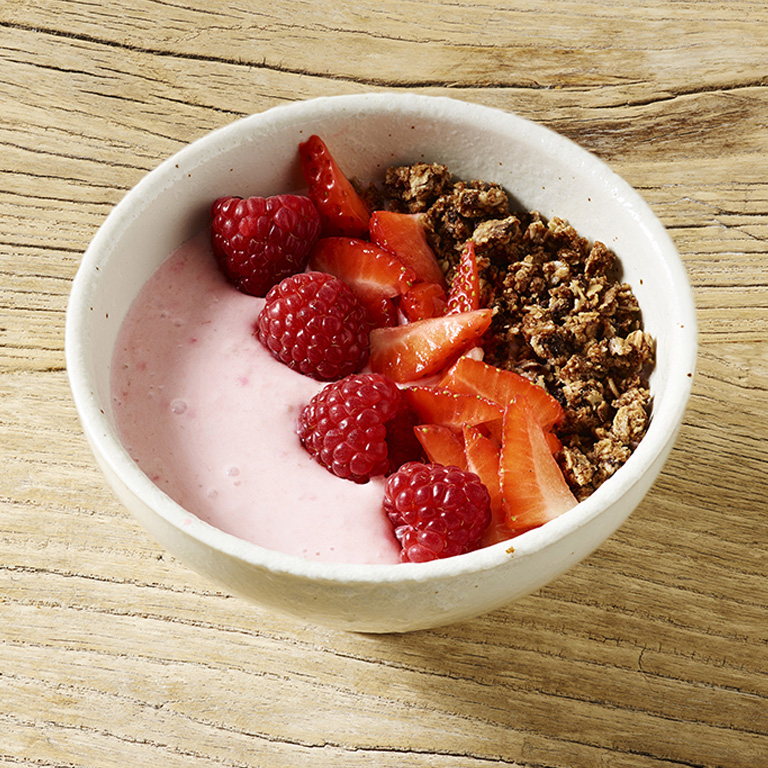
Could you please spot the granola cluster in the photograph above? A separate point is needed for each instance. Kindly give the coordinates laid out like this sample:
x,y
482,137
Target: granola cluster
x,y
562,315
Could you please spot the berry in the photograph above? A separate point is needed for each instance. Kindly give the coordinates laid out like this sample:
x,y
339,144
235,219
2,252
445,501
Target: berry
x,y
533,489
258,241
436,511
464,293
403,234
425,347
434,405
423,300
482,458
442,445
342,210
470,376
313,323
375,276
346,426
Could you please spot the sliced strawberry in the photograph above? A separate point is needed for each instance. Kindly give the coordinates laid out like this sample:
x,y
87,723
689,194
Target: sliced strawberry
x,y
425,347
464,294
533,488
374,275
382,313
433,405
553,441
423,300
483,458
342,210
442,445
472,376
403,234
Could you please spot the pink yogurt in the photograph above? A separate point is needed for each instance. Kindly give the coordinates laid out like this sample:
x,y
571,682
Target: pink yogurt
x,y
210,416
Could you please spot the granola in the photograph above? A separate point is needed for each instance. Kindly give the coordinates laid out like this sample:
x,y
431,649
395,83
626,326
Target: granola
x,y
562,315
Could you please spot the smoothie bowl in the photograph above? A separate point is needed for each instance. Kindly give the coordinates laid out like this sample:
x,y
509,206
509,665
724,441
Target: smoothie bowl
x,y
243,501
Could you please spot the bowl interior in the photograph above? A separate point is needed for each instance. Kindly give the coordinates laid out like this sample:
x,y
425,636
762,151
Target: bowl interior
x,y
366,134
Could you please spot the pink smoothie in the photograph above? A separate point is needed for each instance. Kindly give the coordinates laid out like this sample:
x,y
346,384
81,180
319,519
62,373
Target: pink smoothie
x,y
210,416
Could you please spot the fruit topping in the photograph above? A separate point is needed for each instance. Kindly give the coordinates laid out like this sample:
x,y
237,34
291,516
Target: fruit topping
x,y
442,445
355,427
464,295
482,458
533,488
434,405
425,347
423,300
342,210
257,241
313,323
375,276
437,511
403,234
471,376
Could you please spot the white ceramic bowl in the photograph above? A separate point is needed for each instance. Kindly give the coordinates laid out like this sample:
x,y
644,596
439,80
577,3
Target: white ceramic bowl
x,y
257,156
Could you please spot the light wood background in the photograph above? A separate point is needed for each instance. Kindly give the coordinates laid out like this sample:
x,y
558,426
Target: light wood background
x,y
651,654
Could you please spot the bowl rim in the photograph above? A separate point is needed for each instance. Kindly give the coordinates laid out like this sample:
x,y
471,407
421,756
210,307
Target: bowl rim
x,y
105,443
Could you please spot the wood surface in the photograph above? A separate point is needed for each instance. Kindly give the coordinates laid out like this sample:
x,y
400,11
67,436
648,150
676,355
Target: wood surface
x,y
653,653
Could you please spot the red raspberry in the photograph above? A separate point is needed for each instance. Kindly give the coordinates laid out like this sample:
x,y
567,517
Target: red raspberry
x,y
437,511
258,241
345,425
313,323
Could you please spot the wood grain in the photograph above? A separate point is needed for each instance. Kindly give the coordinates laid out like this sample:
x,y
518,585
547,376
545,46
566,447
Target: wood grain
x,y
653,653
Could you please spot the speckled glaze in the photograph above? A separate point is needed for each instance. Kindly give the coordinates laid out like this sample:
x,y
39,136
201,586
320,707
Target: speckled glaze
x,y
367,133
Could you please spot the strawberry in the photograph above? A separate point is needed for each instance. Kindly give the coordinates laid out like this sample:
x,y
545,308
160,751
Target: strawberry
x,y
464,294
425,347
374,275
533,488
471,376
342,210
482,458
403,235
423,300
433,405
442,445
381,313
554,442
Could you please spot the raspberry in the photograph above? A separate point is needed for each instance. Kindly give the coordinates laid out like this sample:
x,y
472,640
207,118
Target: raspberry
x,y
345,425
437,511
313,323
258,241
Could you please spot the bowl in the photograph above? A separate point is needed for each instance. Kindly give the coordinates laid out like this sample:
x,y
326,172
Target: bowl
x,y
257,156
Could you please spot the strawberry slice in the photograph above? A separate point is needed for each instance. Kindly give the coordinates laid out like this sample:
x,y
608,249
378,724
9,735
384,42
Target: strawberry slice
x,y
374,275
433,405
464,294
423,300
483,458
342,210
472,376
442,445
381,313
403,234
533,488
554,442
425,347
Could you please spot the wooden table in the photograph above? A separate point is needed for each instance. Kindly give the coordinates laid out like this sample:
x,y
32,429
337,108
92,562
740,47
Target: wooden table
x,y
651,654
